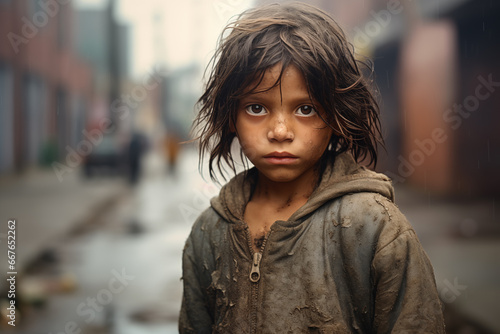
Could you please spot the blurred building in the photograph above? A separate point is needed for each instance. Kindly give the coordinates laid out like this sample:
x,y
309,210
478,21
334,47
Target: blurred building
x,y
104,43
95,35
45,88
438,78
59,69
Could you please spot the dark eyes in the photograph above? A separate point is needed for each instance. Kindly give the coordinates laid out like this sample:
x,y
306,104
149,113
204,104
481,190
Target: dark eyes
x,y
256,109
259,110
306,111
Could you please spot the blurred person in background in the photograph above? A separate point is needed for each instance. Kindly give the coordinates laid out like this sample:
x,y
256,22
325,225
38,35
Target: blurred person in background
x,y
171,145
137,147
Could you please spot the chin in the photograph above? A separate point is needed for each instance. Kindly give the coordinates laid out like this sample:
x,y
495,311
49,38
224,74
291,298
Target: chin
x,y
280,176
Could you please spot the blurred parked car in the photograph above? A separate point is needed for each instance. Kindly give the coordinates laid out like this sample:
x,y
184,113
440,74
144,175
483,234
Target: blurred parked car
x,y
106,158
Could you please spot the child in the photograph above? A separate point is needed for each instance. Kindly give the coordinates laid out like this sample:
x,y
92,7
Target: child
x,y
307,241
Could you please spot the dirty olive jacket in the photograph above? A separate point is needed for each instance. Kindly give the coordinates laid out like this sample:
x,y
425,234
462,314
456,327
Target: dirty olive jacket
x,y
345,262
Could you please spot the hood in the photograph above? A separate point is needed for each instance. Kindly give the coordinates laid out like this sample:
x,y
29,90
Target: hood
x,y
345,177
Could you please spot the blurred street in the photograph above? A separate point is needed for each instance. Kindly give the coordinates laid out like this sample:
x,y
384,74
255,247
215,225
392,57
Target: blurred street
x,y
140,236
118,271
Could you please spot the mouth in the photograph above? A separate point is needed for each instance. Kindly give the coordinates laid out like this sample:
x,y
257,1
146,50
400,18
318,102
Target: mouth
x,y
280,158
280,155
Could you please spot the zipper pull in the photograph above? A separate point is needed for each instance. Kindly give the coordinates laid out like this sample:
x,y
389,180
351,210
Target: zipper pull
x,y
255,272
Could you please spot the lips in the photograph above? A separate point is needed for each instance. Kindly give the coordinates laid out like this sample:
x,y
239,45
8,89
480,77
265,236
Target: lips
x,y
280,155
280,158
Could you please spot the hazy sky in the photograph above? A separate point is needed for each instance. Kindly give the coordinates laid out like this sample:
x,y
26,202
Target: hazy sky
x,y
175,32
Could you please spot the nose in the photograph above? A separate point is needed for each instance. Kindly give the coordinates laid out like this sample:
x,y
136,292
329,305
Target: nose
x,y
280,129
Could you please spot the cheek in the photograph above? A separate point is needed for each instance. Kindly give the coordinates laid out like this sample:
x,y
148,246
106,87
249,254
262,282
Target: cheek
x,y
317,151
319,141
248,147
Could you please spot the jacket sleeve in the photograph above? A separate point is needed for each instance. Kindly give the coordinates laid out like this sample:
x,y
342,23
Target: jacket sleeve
x,y
194,316
406,297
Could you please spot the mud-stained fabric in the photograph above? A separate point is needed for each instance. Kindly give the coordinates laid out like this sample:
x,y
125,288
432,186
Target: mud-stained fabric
x,y
345,262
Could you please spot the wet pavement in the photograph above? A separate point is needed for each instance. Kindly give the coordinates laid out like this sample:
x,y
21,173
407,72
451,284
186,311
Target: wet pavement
x,y
47,208
119,271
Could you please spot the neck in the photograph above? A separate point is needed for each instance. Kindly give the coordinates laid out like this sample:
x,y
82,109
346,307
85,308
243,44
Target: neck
x,y
297,190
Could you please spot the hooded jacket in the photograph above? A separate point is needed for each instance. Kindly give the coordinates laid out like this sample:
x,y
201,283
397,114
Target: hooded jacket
x,y
347,261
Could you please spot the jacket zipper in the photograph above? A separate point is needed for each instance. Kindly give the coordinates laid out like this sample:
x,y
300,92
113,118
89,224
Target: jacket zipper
x,y
255,278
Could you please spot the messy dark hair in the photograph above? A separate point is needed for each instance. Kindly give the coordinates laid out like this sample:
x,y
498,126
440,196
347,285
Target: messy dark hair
x,y
292,34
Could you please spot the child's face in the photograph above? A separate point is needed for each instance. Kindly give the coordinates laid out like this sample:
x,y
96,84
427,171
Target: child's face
x,y
279,130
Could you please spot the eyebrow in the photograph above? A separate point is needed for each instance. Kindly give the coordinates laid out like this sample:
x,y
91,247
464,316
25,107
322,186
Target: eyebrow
x,y
261,97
